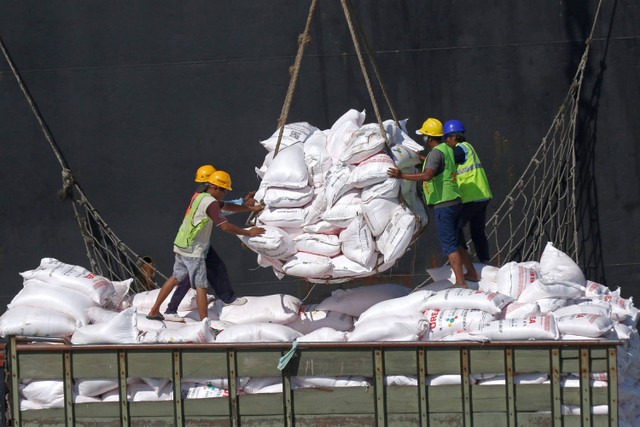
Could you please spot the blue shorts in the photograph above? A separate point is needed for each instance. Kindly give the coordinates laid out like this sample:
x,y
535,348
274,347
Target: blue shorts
x,y
194,268
447,220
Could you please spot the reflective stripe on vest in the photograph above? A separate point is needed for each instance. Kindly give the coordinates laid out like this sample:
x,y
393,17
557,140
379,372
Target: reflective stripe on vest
x,y
188,230
472,178
442,187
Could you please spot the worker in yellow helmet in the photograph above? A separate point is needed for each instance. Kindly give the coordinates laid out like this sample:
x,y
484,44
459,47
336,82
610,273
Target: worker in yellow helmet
x,y
441,192
192,245
216,270
474,188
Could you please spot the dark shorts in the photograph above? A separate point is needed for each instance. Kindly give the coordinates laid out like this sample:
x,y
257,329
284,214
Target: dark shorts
x,y
447,219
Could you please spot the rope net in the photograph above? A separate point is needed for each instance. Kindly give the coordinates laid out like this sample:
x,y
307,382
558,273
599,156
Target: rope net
x,y
541,207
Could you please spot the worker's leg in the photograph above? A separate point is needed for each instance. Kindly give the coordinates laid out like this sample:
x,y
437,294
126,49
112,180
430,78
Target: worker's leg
x,y
456,265
467,262
201,301
164,293
447,220
218,277
478,234
178,296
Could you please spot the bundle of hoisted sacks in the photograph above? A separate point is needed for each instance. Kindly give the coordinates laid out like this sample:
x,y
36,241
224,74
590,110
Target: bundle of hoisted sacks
x,y
331,212
549,299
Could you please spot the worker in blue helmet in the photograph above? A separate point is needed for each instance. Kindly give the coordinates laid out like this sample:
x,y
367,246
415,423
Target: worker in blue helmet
x,y
474,188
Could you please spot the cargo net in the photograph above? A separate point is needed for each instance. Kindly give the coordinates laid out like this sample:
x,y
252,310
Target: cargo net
x,y
541,207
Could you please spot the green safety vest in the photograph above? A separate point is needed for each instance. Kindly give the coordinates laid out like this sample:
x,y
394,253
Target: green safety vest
x,y
442,187
472,179
188,230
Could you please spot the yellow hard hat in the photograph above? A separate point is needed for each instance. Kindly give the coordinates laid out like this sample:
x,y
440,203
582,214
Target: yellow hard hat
x,y
220,179
204,172
431,127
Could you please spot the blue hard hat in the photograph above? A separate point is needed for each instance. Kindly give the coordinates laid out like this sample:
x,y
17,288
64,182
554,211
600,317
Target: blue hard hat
x,y
453,126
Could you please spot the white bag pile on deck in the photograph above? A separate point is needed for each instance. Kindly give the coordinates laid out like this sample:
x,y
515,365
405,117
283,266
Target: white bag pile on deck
x,y
546,300
331,212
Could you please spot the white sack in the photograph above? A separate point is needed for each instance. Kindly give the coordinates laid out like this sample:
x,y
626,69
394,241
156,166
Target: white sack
x,y
397,235
276,197
260,385
371,171
343,267
387,189
38,294
515,310
74,277
122,329
390,328
293,133
593,289
281,217
344,210
322,227
273,243
341,130
528,328
540,288
100,315
304,264
362,144
317,158
196,332
258,332
357,300
287,169
514,278
95,387
469,299
324,334
377,213
587,325
44,391
143,301
399,136
555,265
329,382
357,242
36,322
337,183
310,318
319,244
452,321
277,308
411,304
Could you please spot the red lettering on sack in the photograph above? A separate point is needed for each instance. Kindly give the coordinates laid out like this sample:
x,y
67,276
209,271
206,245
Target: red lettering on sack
x,y
433,319
89,276
532,319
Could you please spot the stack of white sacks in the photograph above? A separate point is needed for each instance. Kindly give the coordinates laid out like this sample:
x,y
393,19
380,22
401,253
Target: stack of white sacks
x,y
545,300
331,212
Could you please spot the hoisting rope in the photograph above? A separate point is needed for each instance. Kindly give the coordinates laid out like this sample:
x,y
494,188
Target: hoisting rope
x,y
348,11
101,243
303,40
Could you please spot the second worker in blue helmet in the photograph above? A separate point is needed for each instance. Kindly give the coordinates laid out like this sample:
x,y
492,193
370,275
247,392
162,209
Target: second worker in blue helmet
x,y
474,188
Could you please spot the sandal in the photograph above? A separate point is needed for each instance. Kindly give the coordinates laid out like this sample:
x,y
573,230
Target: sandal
x,y
156,317
471,279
